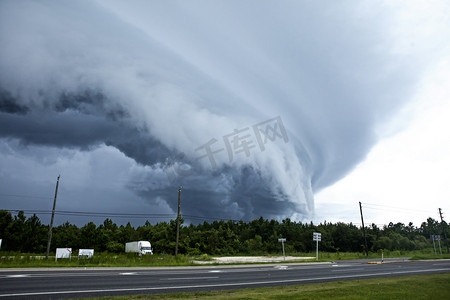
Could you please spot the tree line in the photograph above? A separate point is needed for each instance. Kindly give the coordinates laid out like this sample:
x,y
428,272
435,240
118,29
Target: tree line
x,y
260,236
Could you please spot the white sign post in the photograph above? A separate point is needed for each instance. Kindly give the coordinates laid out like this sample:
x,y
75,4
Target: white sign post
x,y
282,244
317,237
438,238
63,253
434,246
88,253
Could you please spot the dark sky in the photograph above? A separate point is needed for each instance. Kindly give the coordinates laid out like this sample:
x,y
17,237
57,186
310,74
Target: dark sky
x,y
252,107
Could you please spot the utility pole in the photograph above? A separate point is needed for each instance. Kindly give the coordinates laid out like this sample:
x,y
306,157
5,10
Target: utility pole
x,y
51,222
444,229
178,221
364,230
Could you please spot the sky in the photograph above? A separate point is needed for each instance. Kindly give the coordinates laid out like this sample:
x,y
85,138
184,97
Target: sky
x,y
279,109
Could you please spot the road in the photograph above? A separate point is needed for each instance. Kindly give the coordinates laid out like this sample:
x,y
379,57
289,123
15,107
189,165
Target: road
x,y
82,283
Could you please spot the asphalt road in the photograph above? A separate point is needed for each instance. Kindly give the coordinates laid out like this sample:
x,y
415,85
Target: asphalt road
x,y
83,283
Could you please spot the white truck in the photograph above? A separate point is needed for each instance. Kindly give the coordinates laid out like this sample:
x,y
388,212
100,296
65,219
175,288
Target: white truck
x,y
140,247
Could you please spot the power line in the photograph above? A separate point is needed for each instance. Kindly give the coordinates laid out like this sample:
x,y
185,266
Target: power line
x,y
206,218
136,216
24,196
396,208
91,214
111,214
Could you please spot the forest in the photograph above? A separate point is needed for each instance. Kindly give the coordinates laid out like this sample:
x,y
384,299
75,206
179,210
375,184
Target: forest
x,y
257,237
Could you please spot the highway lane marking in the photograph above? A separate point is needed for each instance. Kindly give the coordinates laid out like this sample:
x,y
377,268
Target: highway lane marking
x,y
346,270
281,267
342,266
219,285
59,275
98,274
190,278
201,271
109,273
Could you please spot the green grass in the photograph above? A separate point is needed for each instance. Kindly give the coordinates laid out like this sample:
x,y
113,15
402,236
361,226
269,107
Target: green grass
x,y
18,260
418,256
334,256
435,286
26,260
415,254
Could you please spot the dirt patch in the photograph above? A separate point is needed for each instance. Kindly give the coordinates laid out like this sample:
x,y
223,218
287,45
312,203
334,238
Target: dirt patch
x,y
252,259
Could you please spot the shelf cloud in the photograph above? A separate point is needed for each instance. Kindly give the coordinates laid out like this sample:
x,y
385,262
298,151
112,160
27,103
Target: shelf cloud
x,y
251,106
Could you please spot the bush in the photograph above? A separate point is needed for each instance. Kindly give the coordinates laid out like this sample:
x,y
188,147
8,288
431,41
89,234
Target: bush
x,y
114,247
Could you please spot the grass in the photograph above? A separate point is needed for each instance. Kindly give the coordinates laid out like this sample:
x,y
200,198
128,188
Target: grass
x,y
333,256
434,286
26,260
418,256
415,255
18,260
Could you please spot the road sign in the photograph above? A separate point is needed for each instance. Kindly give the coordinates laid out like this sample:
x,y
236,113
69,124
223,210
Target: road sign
x,y
317,236
282,240
88,253
63,253
435,237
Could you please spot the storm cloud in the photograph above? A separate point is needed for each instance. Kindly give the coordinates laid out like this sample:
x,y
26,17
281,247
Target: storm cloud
x,y
157,80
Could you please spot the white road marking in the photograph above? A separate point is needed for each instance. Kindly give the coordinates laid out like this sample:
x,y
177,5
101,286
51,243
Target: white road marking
x,y
190,278
346,270
341,266
281,267
18,276
215,271
218,284
43,275
128,273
